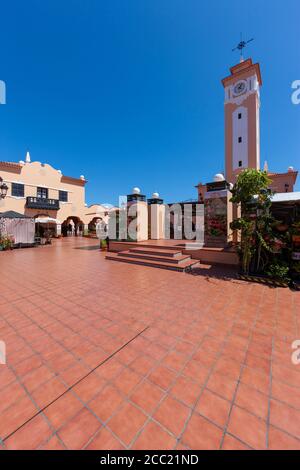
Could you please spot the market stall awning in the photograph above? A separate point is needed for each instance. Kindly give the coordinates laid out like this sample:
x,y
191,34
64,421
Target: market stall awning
x,y
286,197
13,215
47,220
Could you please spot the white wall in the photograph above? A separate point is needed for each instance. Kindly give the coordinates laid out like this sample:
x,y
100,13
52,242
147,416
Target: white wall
x,y
240,129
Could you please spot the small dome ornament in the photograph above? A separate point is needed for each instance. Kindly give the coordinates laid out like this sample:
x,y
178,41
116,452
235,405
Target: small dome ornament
x,y
82,177
290,169
155,195
218,177
136,190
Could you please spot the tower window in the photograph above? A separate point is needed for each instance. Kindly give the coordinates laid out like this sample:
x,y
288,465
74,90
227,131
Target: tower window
x,y
240,116
240,163
240,140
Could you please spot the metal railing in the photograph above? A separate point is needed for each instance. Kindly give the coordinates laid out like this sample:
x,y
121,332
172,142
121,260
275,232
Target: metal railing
x,y
33,202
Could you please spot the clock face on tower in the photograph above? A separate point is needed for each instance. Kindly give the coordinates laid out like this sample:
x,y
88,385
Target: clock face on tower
x,y
239,88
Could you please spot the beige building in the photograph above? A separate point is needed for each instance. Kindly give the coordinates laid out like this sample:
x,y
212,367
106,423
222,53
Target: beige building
x,y
44,193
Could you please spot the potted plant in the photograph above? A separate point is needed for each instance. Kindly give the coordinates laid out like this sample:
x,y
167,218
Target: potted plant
x,y
296,232
103,245
279,271
281,227
6,242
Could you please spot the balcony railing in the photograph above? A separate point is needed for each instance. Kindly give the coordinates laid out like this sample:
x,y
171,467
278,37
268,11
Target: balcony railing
x,y
33,202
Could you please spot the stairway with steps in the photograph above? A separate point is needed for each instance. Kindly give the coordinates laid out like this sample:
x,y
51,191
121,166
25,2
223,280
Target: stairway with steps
x,y
156,257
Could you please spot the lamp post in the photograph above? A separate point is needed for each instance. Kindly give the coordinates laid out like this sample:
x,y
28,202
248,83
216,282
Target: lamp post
x,y
3,189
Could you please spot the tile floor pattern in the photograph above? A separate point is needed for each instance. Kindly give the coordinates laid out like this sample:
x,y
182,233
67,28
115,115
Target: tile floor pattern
x,y
103,355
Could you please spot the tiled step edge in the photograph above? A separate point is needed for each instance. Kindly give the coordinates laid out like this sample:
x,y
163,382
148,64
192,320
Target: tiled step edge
x,y
155,264
157,251
149,256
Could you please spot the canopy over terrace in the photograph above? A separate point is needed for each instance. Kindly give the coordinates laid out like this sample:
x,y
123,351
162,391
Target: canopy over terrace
x,y
47,220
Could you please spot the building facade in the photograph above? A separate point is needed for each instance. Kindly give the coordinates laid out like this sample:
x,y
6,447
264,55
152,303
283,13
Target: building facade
x,y
40,191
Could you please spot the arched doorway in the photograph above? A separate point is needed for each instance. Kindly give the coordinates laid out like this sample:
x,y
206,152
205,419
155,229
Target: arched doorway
x,y
72,226
97,225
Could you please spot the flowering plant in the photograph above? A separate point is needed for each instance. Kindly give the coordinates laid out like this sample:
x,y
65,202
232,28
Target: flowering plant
x,y
215,218
7,242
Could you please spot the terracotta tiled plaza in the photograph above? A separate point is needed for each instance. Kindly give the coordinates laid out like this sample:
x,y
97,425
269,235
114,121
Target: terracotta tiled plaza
x,y
105,355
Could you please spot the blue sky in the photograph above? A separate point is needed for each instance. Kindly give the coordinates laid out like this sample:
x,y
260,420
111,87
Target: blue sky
x,y
128,92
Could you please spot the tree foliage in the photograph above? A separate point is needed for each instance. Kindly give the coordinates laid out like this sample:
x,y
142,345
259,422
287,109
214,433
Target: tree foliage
x,y
251,191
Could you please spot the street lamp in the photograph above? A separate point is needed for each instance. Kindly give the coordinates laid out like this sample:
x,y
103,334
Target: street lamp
x,y
3,188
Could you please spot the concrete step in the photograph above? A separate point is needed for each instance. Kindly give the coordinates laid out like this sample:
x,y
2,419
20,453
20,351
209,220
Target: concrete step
x,y
171,253
184,266
154,256
157,246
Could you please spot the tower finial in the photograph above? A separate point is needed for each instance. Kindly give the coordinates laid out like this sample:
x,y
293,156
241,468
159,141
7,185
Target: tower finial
x,y
27,158
241,45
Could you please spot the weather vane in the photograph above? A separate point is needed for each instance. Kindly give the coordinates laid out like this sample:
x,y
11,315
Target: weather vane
x,y
241,45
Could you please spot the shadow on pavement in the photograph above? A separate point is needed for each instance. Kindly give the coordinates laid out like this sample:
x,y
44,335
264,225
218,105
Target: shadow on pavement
x,y
88,248
225,273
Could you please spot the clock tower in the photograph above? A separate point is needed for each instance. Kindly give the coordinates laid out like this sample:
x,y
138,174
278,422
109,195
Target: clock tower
x,y
242,128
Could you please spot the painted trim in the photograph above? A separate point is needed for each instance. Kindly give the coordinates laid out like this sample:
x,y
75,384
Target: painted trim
x,y
15,197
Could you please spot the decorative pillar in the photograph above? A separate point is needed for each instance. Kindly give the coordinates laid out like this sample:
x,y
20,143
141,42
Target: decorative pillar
x,y
137,216
156,214
218,213
85,229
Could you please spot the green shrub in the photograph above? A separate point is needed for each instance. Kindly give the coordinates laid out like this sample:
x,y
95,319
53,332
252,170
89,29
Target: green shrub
x,y
278,271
